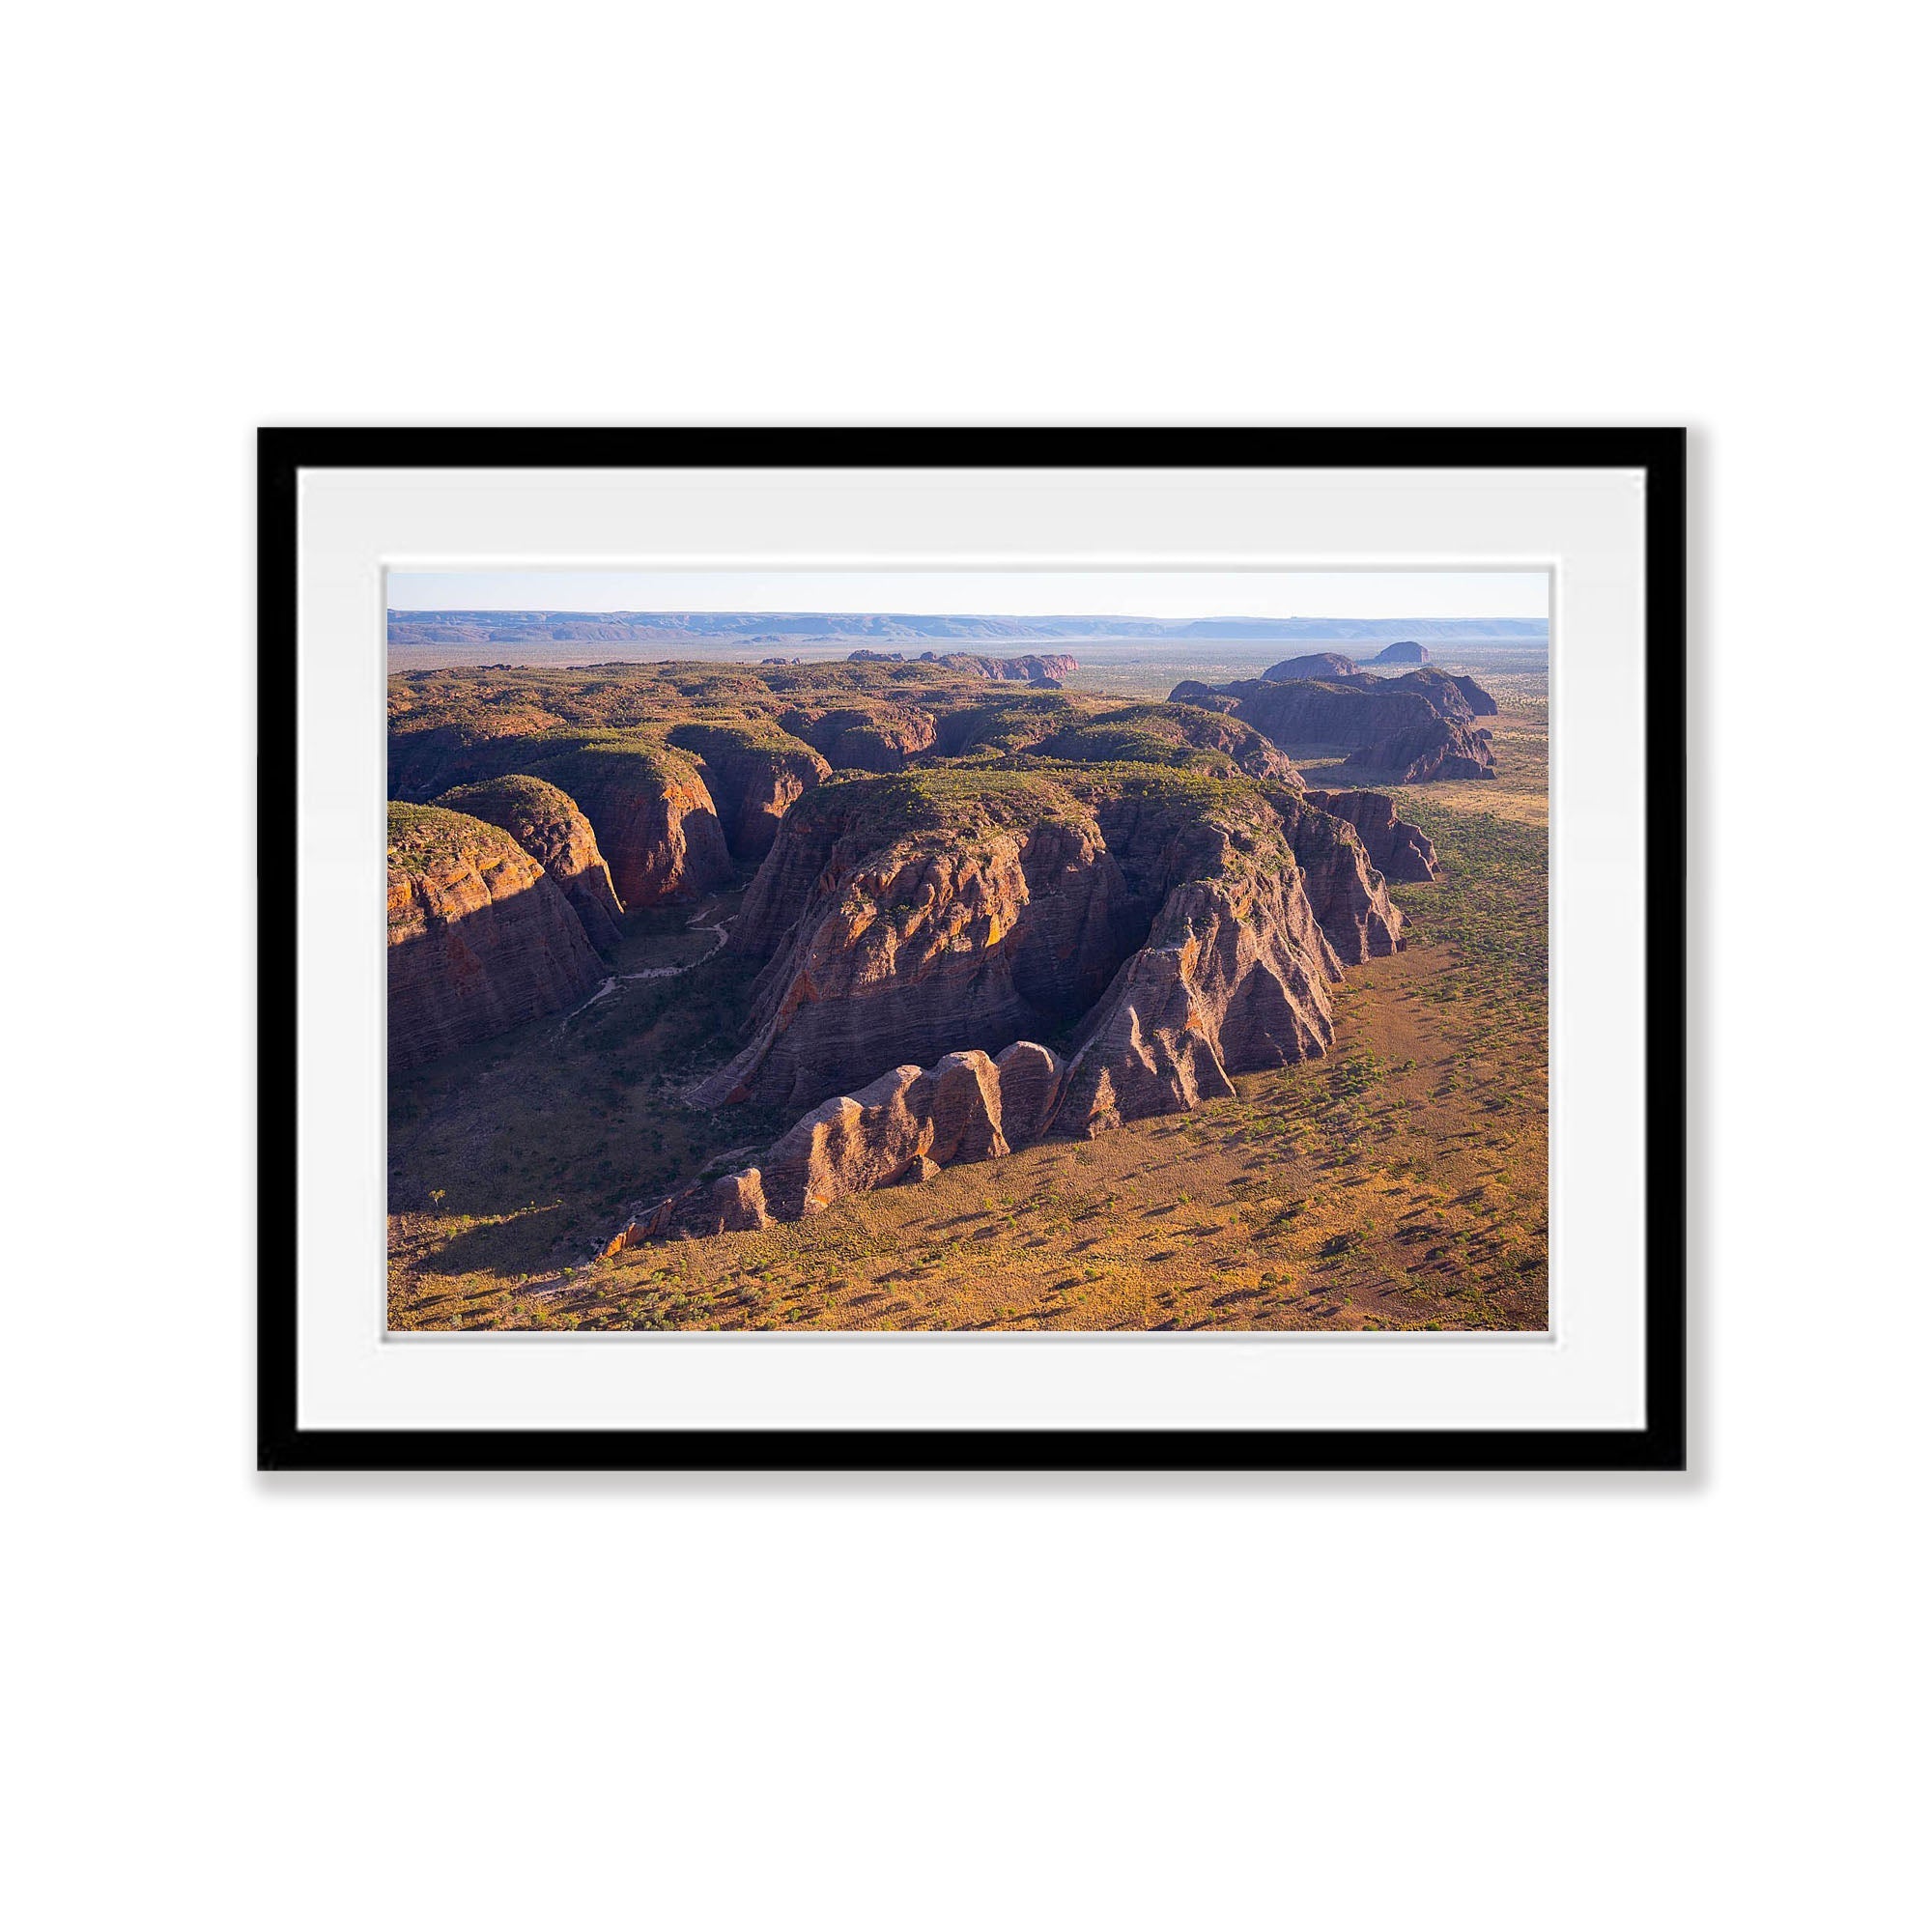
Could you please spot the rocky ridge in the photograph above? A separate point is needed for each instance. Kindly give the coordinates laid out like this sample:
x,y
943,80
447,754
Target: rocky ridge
x,y
1026,854
754,776
902,1127
1397,849
480,937
874,738
1409,730
1214,920
897,917
547,824
656,820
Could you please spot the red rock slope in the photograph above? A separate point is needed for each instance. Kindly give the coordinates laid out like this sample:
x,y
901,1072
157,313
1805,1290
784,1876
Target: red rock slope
x,y
480,937
1259,902
547,824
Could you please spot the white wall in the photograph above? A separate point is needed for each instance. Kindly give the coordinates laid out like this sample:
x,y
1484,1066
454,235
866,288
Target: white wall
x,y
886,1703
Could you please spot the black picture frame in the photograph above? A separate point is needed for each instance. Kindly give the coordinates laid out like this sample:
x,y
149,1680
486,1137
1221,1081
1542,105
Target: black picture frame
x,y
1660,1445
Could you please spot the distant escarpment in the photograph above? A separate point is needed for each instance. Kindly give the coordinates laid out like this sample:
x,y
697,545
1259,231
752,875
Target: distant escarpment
x,y
1216,919
899,919
1397,849
754,774
780,628
1032,668
1405,652
481,938
547,824
1406,729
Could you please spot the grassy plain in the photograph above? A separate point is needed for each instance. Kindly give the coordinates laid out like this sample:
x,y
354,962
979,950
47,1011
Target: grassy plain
x,y
1398,1182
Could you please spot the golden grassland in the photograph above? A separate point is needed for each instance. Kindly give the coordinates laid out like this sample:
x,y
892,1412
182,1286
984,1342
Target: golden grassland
x,y
1400,1183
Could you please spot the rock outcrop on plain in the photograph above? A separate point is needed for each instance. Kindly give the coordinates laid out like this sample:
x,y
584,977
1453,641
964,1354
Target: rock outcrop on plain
x,y
547,824
1397,849
481,938
1439,748
1317,664
902,1127
1407,729
1481,704
1404,652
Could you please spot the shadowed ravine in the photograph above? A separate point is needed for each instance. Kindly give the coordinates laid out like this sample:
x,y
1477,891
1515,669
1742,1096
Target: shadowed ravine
x,y
617,980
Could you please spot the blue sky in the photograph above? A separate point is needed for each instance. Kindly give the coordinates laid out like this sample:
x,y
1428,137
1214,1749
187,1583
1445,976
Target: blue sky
x,y
1141,593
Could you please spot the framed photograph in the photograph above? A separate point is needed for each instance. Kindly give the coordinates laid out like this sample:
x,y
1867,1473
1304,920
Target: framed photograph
x,y
1127,949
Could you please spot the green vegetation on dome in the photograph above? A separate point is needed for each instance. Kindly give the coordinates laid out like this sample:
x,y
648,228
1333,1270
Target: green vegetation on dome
x,y
519,792
715,738
425,835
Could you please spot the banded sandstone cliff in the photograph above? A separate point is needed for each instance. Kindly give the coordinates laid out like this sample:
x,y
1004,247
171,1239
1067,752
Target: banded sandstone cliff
x,y
1397,848
481,939
547,824
1178,932
1233,979
755,775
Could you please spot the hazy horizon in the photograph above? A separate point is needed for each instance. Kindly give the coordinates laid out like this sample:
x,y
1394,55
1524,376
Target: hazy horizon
x,y
1398,596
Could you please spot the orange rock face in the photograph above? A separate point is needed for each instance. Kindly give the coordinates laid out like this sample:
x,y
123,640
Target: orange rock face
x,y
480,937
1397,848
547,824
754,778
887,947
655,818
871,738
1259,901
904,1126
891,955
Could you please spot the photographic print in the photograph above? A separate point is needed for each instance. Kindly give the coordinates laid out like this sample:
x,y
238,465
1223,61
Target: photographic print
x,y
968,952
